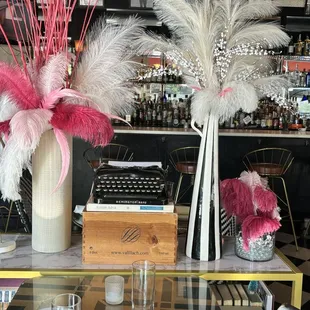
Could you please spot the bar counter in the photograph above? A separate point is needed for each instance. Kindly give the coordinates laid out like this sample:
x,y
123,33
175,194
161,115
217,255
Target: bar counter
x,y
222,132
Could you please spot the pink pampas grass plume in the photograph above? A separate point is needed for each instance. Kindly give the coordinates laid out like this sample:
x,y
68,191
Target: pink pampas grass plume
x,y
264,199
14,82
255,226
236,198
84,122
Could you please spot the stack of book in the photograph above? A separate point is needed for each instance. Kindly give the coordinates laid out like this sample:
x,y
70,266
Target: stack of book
x,y
235,295
110,207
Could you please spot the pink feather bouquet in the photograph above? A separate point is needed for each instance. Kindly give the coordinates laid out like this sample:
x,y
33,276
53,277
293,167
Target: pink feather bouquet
x,y
37,94
253,203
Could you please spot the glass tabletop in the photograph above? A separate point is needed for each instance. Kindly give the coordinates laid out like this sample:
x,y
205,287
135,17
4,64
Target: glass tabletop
x,y
171,293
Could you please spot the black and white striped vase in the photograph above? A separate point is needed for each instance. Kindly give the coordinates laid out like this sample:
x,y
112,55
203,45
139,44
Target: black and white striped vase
x,y
204,228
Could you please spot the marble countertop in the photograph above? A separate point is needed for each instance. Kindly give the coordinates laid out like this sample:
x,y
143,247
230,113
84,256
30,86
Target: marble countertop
x,y
222,132
25,258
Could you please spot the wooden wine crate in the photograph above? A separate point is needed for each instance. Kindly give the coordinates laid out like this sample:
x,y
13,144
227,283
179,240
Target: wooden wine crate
x,y
122,238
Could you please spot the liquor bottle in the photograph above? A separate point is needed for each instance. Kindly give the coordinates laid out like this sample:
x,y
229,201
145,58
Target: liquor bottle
x,y
170,117
296,76
299,46
189,120
164,99
263,123
142,117
165,116
281,122
137,114
307,46
159,73
154,117
182,116
308,79
275,123
134,117
269,121
176,117
252,123
290,49
307,12
166,75
159,115
159,119
302,79
148,119
258,119
232,122
175,102
153,75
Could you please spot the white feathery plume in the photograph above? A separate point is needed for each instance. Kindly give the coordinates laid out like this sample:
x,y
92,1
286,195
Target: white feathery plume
x,y
8,107
9,178
220,44
106,66
52,74
27,126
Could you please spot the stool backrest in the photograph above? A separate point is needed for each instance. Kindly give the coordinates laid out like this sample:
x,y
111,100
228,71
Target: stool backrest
x,y
184,155
269,161
111,152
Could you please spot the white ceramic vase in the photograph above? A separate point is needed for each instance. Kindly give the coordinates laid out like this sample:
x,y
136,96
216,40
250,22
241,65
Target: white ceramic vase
x,y
51,211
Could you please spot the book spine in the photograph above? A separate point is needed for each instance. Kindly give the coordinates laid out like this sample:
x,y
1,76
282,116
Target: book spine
x,y
128,208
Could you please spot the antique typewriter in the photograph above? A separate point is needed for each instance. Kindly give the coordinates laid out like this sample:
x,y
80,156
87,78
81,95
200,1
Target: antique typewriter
x,y
130,185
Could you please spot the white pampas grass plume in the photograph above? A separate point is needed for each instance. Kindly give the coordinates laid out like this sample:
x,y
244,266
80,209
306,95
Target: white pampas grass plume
x,y
219,45
52,74
26,129
106,66
238,95
9,178
8,107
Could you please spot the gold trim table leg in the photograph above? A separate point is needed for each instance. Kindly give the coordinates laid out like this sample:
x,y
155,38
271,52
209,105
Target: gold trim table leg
x,y
297,291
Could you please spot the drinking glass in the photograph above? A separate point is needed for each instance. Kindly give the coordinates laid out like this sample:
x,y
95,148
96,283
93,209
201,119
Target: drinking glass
x,y
169,190
143,284
67,302
114,290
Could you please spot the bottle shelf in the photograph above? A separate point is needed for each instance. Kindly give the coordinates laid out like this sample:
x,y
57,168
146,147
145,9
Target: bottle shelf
x,y
296,58
161,83
298,88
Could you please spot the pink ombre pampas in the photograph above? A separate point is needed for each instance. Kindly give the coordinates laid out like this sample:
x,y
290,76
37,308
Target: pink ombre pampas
x,y
264,199
83,122
236,197
255,226
253,203
16,83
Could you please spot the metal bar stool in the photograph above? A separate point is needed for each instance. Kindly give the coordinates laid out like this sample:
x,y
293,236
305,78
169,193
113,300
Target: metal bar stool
x,y
273,164
98,155
184,160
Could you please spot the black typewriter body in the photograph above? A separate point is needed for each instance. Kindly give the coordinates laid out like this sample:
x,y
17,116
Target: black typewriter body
x,y
130,185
